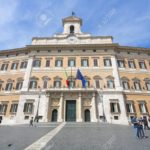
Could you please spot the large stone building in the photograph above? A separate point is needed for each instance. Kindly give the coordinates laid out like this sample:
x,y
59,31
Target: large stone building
x,y
33,79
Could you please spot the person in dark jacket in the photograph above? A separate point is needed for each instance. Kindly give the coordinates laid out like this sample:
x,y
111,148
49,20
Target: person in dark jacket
x,y
145,122
31,122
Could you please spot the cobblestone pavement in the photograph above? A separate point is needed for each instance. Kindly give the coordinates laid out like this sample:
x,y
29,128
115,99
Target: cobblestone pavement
x,y
18,137
74,136
96,136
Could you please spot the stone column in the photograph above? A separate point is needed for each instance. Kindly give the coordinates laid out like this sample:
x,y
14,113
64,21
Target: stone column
x,y
93,109
46,108
27,75
79,108
60,111
116,74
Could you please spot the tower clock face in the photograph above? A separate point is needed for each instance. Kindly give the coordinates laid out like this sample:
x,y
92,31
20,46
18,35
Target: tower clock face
x,y
72,39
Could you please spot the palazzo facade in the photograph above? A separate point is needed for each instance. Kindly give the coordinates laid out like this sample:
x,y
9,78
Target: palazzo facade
x,y
33,79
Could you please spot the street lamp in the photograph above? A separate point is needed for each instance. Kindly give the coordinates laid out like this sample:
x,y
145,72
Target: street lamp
x,y
37,113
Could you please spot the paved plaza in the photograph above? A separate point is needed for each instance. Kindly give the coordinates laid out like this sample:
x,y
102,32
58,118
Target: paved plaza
x,y
73,136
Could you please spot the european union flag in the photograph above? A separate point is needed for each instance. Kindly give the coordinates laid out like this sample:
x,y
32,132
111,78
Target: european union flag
x,y
81,77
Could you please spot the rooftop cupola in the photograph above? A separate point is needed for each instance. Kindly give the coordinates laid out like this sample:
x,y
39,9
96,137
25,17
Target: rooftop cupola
x,y
72,25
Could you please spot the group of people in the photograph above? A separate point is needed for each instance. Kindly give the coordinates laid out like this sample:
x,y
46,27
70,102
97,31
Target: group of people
x,y
140,124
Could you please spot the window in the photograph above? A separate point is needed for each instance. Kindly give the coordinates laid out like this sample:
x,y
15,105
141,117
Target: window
x,y
110,84
13,108
47,63
84,62
107,62
121,63
9,86
57,84
131,64
28,107
87,83
97,84
147,83
137,85
14,66
58,63
33,84
36,63
3,108
19,85
142,65
125,85
23,65
71,63
114,107
71,83
45,84
142,107
4,67
95,62
130,108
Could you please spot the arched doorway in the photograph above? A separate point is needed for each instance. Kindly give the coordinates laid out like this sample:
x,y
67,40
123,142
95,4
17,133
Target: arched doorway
x,y
54,115
87,115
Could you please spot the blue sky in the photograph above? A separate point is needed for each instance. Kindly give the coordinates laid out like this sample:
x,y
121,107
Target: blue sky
x,y
128,21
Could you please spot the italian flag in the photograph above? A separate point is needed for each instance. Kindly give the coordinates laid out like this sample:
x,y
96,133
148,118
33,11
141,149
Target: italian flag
x,y
67,82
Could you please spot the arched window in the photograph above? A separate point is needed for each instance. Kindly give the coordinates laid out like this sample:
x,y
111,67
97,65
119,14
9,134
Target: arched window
x,y
87,81
71,80
19,83
33,83
125,83
45,82
97,81
57,82
147,83
137,85
110,82
9,85
72,29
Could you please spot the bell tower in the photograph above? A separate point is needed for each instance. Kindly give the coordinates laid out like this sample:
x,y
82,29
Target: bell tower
x,y
72,25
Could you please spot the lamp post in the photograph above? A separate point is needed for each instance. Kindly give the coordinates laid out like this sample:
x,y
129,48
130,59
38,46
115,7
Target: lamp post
x,y
37,113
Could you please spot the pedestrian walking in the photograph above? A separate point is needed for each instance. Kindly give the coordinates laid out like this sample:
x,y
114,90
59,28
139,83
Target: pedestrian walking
x,y
145,122
134,122
31,121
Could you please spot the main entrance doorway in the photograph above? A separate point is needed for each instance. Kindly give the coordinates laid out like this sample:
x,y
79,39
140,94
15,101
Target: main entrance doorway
x,y
70,110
